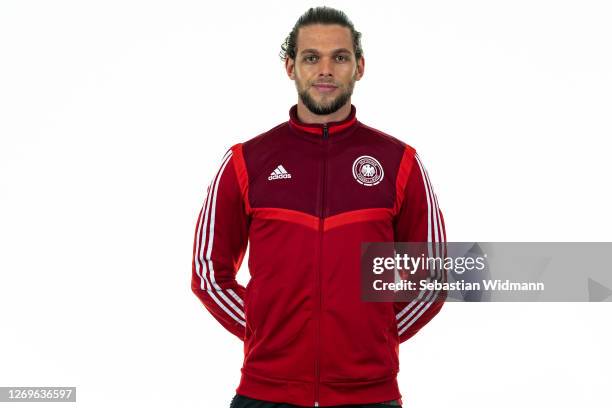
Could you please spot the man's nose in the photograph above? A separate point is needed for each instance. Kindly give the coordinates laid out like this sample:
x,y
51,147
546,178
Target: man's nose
x,y
326,67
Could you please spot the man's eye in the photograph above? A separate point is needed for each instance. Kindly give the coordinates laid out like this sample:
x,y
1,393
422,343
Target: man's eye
x,y
341,58
311,58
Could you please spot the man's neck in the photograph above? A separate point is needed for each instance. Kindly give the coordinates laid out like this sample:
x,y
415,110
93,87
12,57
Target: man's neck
x,y
306,116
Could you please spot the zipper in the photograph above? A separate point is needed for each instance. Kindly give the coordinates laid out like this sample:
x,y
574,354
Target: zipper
x,y
318,277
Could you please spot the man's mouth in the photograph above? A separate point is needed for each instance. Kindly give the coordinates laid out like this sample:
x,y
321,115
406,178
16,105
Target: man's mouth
x,y
325,88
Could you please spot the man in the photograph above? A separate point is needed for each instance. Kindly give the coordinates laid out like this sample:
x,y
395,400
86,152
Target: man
x,y
306,194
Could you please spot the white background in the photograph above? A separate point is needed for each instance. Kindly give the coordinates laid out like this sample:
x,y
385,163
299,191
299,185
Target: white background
x,y
115,114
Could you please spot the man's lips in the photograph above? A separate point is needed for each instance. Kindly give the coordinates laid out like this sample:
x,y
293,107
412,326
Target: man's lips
x,y
325,87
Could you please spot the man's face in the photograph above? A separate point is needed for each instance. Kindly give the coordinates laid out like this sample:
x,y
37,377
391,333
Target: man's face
x,y
324,69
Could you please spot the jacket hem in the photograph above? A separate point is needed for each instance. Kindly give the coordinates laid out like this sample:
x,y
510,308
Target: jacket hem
x,y
301,393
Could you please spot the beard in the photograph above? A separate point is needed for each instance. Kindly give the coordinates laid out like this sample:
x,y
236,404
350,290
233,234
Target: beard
x,y
325,108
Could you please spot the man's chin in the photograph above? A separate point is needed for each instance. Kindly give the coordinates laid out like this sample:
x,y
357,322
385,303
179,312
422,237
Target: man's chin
x,y
321,107
328,107
324,105
322,110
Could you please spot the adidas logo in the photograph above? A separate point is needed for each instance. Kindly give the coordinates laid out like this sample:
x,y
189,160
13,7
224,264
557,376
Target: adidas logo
x,y
279,173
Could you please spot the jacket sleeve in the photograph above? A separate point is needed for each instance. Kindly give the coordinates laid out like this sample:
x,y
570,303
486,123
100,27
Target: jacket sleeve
x,y
221,237
419,219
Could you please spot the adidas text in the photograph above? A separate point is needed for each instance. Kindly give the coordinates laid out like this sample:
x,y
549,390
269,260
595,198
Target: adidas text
x,y
279,176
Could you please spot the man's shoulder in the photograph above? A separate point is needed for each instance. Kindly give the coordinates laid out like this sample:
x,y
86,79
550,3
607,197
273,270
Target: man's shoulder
x,y
266,136
385,138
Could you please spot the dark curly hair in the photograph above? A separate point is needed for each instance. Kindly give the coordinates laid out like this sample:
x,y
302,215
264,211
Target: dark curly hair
x,y
320,15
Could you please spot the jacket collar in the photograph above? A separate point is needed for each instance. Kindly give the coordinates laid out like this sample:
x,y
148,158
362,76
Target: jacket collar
x,y
317,128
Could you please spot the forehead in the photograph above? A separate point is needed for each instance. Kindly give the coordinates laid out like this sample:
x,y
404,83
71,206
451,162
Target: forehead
x,y
324,37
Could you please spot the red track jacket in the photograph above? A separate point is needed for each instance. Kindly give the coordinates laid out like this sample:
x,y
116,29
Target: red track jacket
x,y
305,196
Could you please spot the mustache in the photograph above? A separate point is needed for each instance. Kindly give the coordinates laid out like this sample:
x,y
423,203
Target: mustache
x,y
324,83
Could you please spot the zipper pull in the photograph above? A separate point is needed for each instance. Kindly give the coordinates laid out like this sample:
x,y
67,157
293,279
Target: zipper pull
x,y
325,135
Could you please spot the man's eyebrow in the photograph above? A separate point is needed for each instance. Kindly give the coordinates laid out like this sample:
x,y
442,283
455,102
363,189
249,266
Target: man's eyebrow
x,y
314,51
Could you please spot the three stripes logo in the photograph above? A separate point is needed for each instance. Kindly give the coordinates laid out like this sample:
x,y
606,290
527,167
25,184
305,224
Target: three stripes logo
x,y
279,173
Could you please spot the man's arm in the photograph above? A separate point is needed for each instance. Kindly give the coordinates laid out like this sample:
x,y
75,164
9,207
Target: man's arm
x,y
221,237
419,219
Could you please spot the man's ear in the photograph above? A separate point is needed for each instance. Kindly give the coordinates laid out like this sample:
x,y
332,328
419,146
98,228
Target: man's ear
x,y
360,68
290,67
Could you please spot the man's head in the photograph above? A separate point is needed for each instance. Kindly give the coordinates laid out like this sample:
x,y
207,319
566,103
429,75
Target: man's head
x,y
323,56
